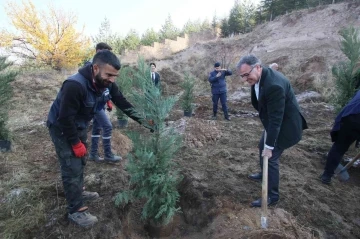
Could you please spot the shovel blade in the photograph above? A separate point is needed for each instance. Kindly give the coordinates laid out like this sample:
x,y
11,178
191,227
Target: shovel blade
x,y
342,174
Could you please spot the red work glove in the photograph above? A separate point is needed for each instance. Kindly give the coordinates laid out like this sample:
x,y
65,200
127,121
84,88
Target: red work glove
x,y
79,149
109,106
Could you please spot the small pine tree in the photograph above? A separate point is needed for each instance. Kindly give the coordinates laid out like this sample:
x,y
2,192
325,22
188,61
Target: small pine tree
x,y
187,98
153,173
346,73
6,77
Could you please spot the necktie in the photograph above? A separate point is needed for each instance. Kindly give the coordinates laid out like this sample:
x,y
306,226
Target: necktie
x,y
153,76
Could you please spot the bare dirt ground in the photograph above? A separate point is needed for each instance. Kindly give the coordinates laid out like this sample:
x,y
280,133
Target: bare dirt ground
x,y
216,156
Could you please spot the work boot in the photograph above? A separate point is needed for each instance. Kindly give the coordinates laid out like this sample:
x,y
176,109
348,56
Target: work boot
x,y
112,158
213,117
325,178
83,218
226,115
95,158
89,196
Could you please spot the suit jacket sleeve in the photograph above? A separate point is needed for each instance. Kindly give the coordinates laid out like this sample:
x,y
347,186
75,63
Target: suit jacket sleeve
x,y
254,101
275,100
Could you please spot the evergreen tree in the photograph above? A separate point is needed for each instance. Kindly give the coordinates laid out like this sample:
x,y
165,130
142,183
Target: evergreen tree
x,y
205,25
192,26
105,35
346,73
187,98
149,37
153,173
6,77
132,40
215,22
169,30
236,19
225,31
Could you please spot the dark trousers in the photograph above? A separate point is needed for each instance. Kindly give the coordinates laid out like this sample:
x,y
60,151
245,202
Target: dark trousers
x,y
348,133
72,168
215,100
273,169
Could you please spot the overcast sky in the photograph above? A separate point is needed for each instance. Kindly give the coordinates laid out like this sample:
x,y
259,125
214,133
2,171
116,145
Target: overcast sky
x,y
137,14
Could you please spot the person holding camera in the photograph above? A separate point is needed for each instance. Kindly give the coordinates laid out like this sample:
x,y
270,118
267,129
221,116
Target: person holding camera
x,y
218,89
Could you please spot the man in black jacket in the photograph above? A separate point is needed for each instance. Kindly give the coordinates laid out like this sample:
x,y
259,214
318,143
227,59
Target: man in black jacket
x,y
155,77
70,113
273,97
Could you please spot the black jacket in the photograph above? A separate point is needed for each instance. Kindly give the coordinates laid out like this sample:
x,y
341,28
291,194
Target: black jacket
x,y
76,104
278,109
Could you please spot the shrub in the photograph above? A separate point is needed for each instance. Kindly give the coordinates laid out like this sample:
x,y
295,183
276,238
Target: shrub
x,y
187,97
346,73
6,77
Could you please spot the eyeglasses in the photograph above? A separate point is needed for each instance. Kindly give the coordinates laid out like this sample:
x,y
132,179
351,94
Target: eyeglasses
x,y
247,74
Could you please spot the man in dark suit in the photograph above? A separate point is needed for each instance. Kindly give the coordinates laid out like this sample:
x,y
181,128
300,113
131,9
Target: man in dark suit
x,y
273,97
154,75
345,131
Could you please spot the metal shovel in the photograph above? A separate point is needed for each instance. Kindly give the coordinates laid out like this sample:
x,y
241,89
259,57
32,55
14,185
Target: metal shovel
x,y
341,171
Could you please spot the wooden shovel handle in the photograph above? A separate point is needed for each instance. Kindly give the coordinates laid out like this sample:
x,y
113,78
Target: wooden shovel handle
x,y
348,165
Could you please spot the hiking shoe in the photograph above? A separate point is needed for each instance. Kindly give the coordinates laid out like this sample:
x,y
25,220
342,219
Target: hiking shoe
x,y
113,158
89,196
82,218
325,179
95,157
228,119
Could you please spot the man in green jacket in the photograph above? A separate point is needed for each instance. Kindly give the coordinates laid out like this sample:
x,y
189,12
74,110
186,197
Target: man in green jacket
x,y
273,97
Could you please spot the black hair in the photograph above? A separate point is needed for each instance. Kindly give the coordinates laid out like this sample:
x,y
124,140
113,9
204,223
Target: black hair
x,y
153,64
107,57
102,46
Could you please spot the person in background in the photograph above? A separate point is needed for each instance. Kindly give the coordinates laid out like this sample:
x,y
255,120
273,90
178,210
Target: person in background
x,y
102,123
273,97
274,66
68,120
346,130
155,77
218,89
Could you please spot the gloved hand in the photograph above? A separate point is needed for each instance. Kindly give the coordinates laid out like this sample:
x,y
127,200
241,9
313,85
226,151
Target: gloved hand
x,y
109,106
79,149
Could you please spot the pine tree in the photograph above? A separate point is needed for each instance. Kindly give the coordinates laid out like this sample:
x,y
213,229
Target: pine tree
x,y
153,175
132,40
346,73
149,37
6,77
105,35
225,31
187,98
169,30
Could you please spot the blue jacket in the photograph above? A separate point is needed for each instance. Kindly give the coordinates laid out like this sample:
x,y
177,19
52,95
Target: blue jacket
x,y
352,108
218,84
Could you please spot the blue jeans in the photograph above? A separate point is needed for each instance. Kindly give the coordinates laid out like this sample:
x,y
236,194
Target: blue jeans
x,y
215,100
101,122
